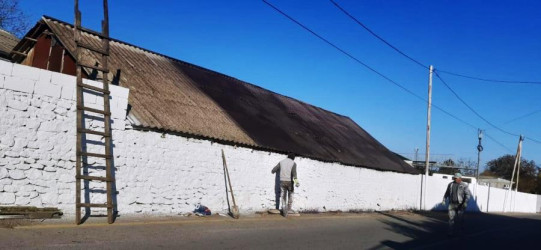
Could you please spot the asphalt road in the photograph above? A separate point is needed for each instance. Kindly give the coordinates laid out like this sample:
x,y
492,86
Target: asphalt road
x,y
398,230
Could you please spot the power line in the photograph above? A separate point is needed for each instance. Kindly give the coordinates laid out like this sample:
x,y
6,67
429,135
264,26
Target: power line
x,y
476,113
523,116
375,71
532,139
497,142
488,80
343,51
470,108
367,66
443,71
377,36
416,61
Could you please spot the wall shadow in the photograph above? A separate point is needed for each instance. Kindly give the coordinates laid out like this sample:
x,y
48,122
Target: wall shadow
x,y
277,189
472,207
428,230
100,167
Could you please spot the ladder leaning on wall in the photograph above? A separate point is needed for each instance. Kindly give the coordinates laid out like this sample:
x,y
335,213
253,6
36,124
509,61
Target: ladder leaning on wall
x,y
82,153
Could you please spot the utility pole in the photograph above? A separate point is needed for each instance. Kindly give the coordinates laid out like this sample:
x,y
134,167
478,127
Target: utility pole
x,y
517,157
518,171
427,154
479,149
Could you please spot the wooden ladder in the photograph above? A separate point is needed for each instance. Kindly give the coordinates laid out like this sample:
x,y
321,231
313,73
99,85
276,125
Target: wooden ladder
x,y
81,153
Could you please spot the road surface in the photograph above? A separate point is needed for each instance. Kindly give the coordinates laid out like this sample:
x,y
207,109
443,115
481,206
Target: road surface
x,y
393,230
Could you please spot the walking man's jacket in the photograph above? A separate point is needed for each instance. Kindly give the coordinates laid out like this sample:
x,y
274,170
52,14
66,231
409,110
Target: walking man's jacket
x,y
458,193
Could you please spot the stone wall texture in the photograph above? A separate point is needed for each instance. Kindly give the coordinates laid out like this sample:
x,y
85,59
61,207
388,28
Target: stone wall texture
x,y
163,173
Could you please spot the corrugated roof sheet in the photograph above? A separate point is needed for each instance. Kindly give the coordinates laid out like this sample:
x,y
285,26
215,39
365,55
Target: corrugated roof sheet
x,y
7,42
169,94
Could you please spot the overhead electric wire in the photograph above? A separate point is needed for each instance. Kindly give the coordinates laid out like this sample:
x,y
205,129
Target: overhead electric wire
x,y
367,66
477,113
470,108
373,70
437,75
523,116
497,142
487,80
377,36
532,139
417,61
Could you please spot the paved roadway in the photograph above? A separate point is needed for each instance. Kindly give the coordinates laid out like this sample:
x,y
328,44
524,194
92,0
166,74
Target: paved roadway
x,y
398,230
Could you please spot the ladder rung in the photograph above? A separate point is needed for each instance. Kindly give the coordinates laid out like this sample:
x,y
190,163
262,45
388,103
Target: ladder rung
x,y
79,153
94,205
86,46
94,132
94,178
93,67
86,86
93,110
19,53
93,32
30,39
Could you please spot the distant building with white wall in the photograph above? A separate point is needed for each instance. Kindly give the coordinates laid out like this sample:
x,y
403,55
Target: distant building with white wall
x,y
494,182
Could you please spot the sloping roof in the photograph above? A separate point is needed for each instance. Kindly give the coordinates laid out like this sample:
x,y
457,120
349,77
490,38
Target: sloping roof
x,y
7,42
494,180
172,95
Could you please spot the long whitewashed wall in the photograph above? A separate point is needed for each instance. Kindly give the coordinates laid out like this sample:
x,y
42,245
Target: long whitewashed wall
x,y
163,173
168,173
484,198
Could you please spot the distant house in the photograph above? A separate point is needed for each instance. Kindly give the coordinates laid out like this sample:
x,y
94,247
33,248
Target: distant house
x,y
7,42
494,182
174,96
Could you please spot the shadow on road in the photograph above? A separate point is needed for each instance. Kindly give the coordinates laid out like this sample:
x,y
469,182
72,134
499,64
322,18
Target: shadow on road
x,y
481,231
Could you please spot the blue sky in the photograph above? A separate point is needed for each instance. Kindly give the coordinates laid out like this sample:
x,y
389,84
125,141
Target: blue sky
x,y
250,41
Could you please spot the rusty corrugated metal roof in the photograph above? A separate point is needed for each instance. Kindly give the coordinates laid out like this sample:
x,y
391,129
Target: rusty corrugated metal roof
x,y
172,95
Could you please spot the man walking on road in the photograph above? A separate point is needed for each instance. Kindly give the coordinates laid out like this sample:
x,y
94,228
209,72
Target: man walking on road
x,y
288,177
458,195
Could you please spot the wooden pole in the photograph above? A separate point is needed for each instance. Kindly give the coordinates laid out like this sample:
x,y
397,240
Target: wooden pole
x,y
235,212
107,118
488,196
428,116
518,173
513,174
78,145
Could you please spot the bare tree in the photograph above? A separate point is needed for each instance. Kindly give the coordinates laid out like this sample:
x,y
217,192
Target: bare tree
x,y
12,18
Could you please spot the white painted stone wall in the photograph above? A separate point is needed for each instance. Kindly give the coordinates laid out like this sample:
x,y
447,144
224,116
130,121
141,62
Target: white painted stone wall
x,y
169,174
486,201
37,134
174,173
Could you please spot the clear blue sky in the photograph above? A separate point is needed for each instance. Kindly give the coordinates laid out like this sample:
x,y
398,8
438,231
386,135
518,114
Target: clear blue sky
x,y
250,41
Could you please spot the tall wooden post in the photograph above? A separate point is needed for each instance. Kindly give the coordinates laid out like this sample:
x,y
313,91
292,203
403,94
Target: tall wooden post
x,y
517,158
427,154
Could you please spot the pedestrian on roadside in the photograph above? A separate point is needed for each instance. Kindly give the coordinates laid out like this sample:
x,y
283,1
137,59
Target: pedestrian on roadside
x,y
458,194
288,177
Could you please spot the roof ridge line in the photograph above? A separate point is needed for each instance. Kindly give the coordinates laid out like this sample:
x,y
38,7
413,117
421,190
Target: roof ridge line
x,y
196,66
